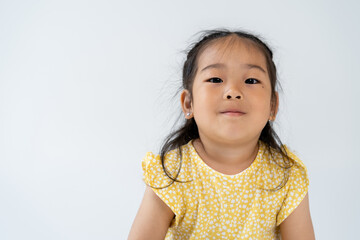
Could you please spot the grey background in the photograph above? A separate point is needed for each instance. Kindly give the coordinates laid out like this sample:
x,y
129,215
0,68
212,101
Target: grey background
x,y
87,88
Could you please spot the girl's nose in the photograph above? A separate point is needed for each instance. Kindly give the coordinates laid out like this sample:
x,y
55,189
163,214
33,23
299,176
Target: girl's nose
x,y
232,94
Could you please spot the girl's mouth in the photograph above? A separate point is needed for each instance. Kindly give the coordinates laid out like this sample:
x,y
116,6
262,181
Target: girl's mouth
x,y
233,113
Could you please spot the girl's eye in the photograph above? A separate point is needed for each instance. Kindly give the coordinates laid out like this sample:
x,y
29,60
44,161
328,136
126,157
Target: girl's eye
x,y
251,81
215,80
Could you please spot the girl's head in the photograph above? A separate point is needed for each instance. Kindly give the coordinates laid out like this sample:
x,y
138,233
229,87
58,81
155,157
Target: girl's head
x,y
229,84
228,72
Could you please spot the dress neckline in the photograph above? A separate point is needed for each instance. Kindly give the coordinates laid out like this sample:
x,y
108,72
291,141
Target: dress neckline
x,y
200,161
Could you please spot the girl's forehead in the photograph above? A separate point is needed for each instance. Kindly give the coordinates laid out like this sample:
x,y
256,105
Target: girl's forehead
x,y
234,48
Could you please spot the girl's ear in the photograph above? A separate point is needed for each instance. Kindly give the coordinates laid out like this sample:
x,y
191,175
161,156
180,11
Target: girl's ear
x,y
275,107
186,104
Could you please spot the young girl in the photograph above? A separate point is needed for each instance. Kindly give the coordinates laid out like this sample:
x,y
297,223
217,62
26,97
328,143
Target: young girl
x,y
225,173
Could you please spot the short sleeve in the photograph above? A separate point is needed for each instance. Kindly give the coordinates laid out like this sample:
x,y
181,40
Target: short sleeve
x,y
296,188
167,190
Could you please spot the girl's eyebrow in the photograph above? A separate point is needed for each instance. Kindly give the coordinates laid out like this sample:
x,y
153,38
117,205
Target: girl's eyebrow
x,y
221,65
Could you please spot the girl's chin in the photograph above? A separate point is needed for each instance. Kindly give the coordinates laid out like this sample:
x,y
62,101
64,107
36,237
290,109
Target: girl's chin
x,y
232,139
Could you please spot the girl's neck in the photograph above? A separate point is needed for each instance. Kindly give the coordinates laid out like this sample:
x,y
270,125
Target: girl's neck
x,y
227,159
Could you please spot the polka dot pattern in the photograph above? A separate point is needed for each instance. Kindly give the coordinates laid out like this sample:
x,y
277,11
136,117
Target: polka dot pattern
x,y
218,206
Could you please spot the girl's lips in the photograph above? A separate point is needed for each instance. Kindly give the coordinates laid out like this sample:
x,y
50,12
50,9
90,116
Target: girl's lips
x,y
231,113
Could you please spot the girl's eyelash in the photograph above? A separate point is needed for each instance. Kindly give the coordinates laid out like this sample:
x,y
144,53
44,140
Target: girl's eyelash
x,y
214,78
257,81
217,80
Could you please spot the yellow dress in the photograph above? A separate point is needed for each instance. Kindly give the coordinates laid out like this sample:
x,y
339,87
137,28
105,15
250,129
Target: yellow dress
x,y
213,205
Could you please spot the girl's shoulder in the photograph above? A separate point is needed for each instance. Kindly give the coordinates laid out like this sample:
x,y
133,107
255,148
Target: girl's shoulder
x,y
176,166
298,171
274,157
172,193
298,168
294,156
296,186
274,168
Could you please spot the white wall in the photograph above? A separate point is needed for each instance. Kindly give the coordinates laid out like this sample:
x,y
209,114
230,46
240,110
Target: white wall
x,y
86,90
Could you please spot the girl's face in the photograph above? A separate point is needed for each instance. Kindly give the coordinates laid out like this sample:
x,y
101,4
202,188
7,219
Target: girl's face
x,y
231,95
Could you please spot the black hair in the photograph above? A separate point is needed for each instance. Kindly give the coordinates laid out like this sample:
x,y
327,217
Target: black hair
x,y
189,130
